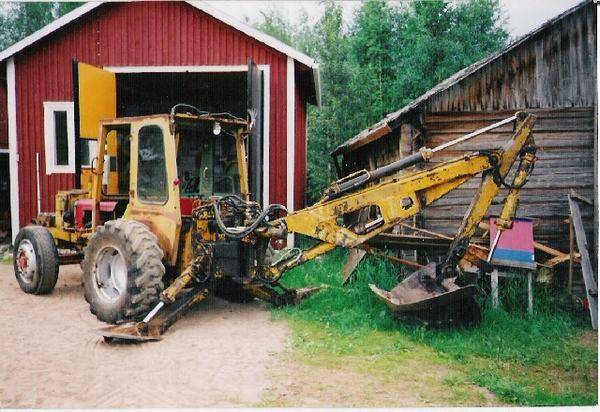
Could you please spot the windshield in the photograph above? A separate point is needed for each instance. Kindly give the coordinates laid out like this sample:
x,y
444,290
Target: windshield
x,y
207,164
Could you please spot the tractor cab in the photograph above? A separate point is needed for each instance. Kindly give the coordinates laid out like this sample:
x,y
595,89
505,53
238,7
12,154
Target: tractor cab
x,y
154,170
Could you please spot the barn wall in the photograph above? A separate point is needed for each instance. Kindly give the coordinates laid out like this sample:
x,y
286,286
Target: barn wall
x,y
300,150
565,161
554,68
552,74
129,34
3,116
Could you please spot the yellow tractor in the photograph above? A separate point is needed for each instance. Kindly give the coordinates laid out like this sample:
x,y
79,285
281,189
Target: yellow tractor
x,y
174,221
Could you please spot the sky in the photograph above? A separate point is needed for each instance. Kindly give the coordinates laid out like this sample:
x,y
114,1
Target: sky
x,y
522,15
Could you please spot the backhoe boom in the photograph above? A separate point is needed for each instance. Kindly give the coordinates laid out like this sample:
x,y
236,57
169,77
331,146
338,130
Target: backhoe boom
x,y
403,197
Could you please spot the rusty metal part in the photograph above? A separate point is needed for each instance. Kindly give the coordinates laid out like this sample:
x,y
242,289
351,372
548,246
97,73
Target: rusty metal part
x,y
354,258
520,145
357,254
199,264
286,297
406,262
70,258
154,329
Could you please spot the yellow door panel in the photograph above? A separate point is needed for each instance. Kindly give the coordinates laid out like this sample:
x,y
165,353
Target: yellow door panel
x,y
97,98
112,183
154,198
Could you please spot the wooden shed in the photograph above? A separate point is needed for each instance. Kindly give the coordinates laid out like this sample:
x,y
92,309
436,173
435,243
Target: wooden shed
x,y
160,53
550,72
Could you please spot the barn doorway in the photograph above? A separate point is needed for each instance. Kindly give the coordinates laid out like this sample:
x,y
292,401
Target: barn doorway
x,y
5,225
235,93
103,93
140,94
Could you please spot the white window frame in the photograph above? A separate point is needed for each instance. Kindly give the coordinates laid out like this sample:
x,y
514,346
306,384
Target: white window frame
x,y
50,137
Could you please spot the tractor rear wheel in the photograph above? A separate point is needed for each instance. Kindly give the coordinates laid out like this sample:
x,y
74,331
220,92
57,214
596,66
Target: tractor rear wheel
x,y
122,271
35,260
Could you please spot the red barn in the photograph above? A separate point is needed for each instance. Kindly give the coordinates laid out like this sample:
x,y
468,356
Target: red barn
x,y
160,53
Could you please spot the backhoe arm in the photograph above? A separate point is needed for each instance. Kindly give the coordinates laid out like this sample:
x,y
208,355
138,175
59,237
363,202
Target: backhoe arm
x,y
401,198
521,145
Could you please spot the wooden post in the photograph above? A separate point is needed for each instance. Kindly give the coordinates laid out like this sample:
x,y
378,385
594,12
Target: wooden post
x,y
571,255
591,288
530,292
494,282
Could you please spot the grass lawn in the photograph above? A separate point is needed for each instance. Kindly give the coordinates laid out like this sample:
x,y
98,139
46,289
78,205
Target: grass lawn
x,y
549,358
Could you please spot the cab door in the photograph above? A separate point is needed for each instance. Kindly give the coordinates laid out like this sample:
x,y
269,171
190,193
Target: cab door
x,y
95,99
154,195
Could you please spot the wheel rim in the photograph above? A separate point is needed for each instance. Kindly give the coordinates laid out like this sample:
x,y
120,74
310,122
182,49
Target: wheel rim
x,y
111,274
26,261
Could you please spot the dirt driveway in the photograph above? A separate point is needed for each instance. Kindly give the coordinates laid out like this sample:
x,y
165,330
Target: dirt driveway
x,y
216,356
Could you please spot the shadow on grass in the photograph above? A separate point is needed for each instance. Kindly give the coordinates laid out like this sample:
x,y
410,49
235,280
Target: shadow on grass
x,y
526,360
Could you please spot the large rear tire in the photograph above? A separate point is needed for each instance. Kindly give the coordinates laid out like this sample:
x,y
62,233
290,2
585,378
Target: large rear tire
x,y
35,260
122,271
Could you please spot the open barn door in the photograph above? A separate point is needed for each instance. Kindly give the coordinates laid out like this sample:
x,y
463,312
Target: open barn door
x,y
255,101
95,98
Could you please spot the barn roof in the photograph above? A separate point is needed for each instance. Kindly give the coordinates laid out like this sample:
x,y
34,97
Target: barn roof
x,y
393,120
200,5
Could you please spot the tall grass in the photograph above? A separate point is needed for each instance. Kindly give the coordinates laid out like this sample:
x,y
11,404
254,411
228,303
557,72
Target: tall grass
x,y
509,352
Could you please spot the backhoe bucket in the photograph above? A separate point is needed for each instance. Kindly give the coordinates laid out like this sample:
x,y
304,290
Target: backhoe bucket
x,y
420,296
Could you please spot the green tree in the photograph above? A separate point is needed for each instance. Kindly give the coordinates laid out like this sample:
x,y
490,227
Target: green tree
x,y
276,24
439,39
335,121
65,7
389,56
19,19
373,49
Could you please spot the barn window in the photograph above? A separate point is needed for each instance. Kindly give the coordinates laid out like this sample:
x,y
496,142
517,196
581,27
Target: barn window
x,y
59,137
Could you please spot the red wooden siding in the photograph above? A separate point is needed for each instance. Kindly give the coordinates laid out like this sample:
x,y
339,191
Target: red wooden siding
x,y
300,151
3,117
139,34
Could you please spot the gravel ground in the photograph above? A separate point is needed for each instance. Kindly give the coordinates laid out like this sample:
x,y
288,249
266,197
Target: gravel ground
x,y
218,355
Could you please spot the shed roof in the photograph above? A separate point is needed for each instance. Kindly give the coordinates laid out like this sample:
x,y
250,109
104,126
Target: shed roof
x,y
200,5
393,120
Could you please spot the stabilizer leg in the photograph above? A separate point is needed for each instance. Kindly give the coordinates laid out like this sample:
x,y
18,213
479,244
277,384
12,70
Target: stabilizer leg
x,y
286,297
154,329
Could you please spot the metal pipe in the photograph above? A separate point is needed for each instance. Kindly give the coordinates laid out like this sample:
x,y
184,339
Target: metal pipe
x,y
474,134
494,244
396,166
344,186
422,155
153,312
37,182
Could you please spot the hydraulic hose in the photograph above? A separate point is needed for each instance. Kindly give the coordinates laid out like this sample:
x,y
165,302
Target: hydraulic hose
x,y
243,232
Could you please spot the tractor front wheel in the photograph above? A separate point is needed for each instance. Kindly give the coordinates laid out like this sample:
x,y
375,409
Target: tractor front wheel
x,y
35,260
122,271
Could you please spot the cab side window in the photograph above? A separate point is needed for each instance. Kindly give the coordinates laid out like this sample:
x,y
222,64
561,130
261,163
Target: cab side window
x,y
152,169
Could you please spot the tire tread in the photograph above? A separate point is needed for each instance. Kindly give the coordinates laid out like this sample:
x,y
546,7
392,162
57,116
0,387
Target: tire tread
x,y
145,274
